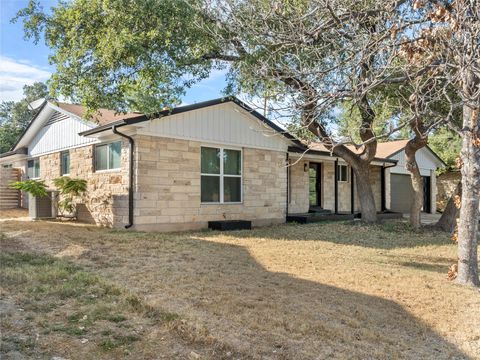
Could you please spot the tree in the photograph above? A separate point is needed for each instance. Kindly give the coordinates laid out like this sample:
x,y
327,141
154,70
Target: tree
x,y
315,54
15,116
450,46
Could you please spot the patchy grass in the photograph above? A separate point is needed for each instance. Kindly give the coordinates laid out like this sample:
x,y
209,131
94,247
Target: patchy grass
x,y
63,303
331,290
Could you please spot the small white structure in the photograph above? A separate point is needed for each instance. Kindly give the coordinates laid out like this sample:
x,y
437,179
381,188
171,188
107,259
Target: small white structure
x,y
399,180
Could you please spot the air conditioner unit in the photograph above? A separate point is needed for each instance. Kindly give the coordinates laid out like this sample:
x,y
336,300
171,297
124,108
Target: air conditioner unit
x,y
43,207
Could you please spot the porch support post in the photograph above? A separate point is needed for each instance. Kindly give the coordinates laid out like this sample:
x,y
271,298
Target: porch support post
x,y
352,191
382,184
336,185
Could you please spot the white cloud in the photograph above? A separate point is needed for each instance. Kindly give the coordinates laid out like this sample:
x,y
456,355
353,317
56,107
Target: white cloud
x,y
14,74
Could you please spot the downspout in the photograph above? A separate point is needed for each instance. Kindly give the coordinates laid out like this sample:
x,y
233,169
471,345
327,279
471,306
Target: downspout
x,y
130,173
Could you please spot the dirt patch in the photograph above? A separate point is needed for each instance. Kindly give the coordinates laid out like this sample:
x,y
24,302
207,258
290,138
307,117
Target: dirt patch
x,y
336,290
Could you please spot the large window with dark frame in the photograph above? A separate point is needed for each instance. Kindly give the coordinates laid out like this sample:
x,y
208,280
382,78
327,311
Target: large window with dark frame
x,y
221,175
107,156
65,163
33,168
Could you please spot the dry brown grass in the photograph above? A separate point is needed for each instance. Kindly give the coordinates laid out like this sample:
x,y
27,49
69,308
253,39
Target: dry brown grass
x,y
333,290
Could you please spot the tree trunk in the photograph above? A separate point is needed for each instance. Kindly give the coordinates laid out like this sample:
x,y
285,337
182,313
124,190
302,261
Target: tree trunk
x,y
413,145
448,220
469,212
365,193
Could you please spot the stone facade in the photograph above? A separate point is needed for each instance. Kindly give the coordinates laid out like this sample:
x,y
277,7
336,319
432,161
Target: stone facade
x,y
167,190
105,202
298,187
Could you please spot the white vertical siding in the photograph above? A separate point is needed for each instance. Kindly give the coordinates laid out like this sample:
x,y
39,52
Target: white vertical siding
x,y
223,124
60,132
425,159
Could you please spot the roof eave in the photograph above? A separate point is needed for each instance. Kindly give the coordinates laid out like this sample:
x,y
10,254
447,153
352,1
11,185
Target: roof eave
x,y
19,151
296,149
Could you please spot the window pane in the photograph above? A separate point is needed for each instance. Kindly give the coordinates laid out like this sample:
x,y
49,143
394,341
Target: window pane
x,y
210,189
232,162
65,163
232,189
101,162
30,168
210,160
115,151
342,173
36,172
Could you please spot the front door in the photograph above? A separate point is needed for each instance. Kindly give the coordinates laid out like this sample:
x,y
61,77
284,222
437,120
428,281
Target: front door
x,y
426,194
315,184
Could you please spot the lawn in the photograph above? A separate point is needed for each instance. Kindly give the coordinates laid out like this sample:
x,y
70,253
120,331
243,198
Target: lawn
x,y
318,291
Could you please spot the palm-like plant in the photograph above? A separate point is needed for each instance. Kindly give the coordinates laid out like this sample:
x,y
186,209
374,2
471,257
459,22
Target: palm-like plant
x,y
36,188
69,188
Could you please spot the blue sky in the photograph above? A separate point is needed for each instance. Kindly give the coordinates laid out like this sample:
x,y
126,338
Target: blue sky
x,y
22,62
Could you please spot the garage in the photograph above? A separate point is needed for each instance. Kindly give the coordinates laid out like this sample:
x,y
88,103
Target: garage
x,y
402,196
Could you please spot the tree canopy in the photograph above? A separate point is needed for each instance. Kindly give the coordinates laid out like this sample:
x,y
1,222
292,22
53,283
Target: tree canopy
x,y
15,116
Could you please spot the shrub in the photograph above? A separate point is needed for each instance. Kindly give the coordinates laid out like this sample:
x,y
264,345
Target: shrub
x,y
36,188
69,188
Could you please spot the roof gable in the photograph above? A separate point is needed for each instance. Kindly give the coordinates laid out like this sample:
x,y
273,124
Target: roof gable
x,y
59,132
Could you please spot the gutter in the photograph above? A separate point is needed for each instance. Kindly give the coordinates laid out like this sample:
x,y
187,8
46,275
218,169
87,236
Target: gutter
x,y
130,173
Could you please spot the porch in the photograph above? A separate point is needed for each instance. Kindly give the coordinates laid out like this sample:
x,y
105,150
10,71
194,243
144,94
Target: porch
x,y
323,188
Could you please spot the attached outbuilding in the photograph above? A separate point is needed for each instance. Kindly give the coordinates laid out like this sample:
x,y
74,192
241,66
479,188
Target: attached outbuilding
x,y
399,178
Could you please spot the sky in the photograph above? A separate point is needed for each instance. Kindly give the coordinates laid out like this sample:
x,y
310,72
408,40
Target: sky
x,y
23,62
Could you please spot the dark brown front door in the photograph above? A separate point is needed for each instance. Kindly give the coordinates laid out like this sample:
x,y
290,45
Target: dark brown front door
x,y
315,184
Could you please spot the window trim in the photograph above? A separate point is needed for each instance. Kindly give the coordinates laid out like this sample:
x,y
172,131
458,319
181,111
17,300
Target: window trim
x,y
108,156
39,169
339,173
222,175
61,162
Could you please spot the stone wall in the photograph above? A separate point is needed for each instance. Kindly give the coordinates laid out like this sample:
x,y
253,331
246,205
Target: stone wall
x,y
168,187
298,187
105,202
446,184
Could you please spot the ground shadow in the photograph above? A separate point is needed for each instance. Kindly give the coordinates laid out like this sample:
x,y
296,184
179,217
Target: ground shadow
x,y
386,235
275,315
224,290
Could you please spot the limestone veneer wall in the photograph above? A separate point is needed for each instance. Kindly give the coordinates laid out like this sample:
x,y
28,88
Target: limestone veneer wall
x,y
298,187
167,179
105,202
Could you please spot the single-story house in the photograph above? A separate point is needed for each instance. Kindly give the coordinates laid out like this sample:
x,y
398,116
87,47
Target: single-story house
x,y
209,161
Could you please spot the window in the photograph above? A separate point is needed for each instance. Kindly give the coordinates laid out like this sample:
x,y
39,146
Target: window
x,y
65,163
107,156
33,168
342,173
221,175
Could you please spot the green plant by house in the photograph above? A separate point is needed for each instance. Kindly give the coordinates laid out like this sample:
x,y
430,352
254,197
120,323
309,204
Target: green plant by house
x,y
69,189
36,188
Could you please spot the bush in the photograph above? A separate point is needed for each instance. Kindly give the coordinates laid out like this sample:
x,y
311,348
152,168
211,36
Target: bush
x,y
36,188
69,188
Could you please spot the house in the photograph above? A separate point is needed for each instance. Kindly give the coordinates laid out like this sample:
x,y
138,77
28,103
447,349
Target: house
x,y
213,160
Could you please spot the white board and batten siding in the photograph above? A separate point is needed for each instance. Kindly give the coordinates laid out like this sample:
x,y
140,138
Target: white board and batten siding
x,y
60,132
224,124
425,159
